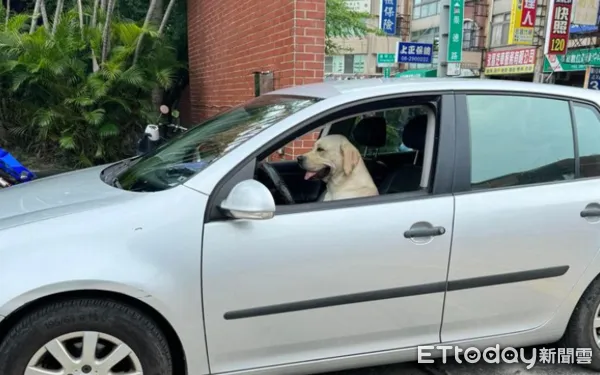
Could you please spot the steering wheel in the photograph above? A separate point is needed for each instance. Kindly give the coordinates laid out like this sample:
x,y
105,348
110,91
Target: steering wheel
x,y
277,181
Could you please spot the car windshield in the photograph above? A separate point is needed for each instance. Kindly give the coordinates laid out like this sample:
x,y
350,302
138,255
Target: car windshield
x,y
189,153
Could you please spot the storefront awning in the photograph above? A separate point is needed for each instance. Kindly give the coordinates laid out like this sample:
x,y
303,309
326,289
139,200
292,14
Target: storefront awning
x,y
418,73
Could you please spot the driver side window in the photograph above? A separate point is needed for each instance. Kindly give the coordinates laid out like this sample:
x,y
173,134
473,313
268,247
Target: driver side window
x,y
367,154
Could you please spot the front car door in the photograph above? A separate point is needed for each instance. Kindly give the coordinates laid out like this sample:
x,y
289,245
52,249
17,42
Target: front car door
x,y
519,235
326,280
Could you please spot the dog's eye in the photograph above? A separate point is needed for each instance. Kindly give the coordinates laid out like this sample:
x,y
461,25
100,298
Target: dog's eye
x,y
320,149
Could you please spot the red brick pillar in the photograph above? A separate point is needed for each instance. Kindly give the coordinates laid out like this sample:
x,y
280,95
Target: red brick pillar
x,y
231,39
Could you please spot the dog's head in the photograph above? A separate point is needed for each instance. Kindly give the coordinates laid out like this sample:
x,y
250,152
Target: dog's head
x,y
331,156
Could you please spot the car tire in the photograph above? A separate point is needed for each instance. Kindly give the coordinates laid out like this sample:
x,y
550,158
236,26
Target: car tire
x,y
114,325
580,331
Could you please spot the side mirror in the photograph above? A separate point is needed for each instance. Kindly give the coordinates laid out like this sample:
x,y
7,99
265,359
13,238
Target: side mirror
x,y
249,199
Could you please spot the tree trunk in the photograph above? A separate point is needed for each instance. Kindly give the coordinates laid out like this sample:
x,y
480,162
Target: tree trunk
x,y
158,93
141,38
80,11
45,16
7,11
166,16
94,22
36,15
95,14
59,8
103,4
106,32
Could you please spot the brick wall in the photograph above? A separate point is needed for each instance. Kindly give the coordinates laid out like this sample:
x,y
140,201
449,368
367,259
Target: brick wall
x,y
300,146
231,39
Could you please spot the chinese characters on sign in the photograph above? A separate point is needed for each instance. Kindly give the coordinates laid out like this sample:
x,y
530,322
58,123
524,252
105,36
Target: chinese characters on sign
x,y
522,22
359,5
557,33
592,78
516,61
420,53
455,34
387,16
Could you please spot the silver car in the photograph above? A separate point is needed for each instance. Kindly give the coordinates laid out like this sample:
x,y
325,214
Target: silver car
x,y
213,255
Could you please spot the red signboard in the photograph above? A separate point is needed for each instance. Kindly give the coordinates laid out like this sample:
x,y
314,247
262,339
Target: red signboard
x,y
514,61
528,13
557,32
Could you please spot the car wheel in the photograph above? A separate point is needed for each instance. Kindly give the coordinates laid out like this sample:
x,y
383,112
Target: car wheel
x,y
583,331
86,336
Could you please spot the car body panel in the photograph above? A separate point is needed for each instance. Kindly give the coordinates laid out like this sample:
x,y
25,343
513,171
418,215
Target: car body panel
x,y
326,260
147,249
525,228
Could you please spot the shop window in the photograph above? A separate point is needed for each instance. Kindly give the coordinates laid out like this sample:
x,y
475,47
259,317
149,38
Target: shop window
x,y
425,8
328,64
470,35
500,27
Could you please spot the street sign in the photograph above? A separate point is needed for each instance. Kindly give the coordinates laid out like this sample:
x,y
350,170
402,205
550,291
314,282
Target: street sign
x,y
386,59
592,78
420,53
387,16
453,69
455,31
386,72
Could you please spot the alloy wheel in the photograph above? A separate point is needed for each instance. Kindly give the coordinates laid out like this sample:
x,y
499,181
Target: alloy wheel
x,y
82,353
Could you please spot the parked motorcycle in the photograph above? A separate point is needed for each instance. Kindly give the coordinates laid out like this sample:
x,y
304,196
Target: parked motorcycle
x,y
157,134
12,172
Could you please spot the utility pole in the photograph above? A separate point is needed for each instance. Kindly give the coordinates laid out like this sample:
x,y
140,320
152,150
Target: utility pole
x,y
442,69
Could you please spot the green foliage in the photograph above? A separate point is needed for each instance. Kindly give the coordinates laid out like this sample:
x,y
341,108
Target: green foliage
x,y
53,104
343,22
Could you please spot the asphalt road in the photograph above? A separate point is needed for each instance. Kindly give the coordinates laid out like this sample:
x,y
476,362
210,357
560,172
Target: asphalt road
x,y
482,368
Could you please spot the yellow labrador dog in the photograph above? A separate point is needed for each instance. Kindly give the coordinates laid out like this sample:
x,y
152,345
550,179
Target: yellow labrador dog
x,y
336,161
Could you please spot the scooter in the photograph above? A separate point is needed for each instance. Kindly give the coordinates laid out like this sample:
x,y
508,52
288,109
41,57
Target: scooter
x,y
12,172
157,134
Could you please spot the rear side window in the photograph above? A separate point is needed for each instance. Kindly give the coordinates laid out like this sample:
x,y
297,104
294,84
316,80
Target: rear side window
x,y
519,140
587,121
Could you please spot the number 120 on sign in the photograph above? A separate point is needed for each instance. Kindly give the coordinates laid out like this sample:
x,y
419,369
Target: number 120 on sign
x,y
558,45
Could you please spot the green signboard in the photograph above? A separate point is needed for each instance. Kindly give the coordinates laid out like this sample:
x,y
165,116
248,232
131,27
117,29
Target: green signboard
x,y
386,72
386,58
455,34
574,60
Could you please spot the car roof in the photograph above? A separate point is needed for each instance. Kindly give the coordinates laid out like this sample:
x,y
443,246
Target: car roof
x,y
383,86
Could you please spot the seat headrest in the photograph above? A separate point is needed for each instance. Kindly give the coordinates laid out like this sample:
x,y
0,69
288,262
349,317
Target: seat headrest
x,y
413,135
370,132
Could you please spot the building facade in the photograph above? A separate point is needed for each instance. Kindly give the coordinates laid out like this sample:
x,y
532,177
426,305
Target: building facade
x,y
425,24
281,39
358,56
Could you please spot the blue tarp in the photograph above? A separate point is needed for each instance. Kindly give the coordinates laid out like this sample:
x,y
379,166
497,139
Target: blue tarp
x,y
11,165
581,29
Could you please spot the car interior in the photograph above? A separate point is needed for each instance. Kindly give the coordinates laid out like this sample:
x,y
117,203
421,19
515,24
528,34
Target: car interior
x,y
396,144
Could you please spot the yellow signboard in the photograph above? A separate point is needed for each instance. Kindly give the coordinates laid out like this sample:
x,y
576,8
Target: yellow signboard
x,y
522,22
515,69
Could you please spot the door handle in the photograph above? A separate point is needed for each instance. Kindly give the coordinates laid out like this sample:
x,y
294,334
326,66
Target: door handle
x,y
590,212
424,232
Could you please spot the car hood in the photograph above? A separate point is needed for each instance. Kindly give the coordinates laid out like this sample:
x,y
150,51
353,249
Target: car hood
x,y
57,195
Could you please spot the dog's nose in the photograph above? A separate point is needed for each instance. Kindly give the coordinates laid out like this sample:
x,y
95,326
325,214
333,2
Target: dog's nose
x,y
301,159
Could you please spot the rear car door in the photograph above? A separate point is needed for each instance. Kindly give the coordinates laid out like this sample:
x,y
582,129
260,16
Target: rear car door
x,y
329,280
520,241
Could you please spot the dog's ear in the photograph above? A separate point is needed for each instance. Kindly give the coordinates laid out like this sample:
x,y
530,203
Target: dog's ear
x,y
350,156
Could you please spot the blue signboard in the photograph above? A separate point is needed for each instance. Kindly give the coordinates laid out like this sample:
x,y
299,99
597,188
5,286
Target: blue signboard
x,y
594,78
387,16
419,53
